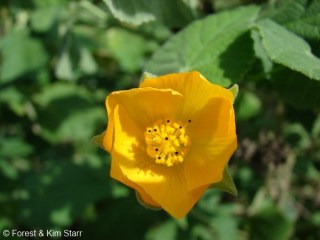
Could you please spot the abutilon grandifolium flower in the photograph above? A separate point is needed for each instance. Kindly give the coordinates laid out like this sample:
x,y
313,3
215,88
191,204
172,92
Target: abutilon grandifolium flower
x,y
170,139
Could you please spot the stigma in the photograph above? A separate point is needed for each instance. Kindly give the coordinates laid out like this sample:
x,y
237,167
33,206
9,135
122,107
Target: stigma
x,y
167,141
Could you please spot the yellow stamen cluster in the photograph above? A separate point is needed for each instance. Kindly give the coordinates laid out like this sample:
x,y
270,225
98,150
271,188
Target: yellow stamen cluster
x,y
167,142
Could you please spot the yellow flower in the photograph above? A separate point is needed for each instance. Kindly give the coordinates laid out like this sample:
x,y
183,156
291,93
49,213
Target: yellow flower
x,y
170,139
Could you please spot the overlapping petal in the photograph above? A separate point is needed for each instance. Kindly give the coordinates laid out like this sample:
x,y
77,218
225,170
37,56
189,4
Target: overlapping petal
x,y
144,105
214,140
197,91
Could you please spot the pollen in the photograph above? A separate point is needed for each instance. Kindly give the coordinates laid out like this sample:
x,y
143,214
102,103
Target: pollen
x,y
167,141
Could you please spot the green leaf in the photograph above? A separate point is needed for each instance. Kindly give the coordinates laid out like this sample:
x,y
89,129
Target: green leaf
x,y
14,99
316,128
49,3
221,5
64,67
226,226
297,135
193,4
226,184
299,16
260,52
247,106
68,113
174,13
60,194
75,59
129,56
216,46
87,63
8,170
14,148
296,89
286,48
43,18
21,54
167,230
268,222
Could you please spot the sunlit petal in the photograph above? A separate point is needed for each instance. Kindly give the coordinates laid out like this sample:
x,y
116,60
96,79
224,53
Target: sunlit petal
x,y
144,105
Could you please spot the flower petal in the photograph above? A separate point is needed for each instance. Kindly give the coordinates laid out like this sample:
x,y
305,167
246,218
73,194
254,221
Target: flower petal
x,y
215,120
171,193
166,185
213,141
144,106
123,150
146,201
205,162
117,174
197,91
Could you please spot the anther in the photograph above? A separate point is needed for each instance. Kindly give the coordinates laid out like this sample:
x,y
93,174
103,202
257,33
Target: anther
x,y
167,141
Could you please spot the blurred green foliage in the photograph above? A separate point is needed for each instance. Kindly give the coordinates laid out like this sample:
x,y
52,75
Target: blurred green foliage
x,y
60,59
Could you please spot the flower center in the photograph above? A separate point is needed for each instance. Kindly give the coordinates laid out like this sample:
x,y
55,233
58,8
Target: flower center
x,y
167,141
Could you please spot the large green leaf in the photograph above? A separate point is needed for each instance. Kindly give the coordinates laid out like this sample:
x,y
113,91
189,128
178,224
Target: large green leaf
x,y
21,54
266,63
298,86
288,49
297,89
299,16
173,13
217,46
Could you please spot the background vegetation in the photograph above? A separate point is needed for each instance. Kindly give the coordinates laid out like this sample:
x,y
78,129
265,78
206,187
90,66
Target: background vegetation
x,y
60,59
